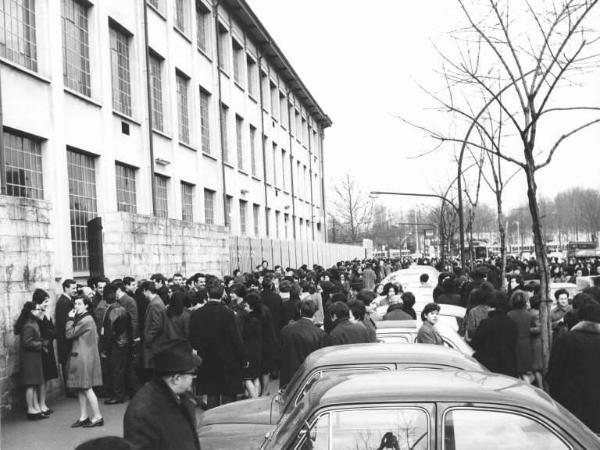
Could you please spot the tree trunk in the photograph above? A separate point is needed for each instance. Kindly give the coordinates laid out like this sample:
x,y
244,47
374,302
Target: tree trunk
x,y
502,233
542,260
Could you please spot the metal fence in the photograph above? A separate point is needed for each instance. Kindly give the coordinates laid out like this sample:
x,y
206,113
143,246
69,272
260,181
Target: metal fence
x,y
245,253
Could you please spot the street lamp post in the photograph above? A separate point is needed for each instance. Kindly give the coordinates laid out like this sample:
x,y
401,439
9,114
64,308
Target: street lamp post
x,y
374,194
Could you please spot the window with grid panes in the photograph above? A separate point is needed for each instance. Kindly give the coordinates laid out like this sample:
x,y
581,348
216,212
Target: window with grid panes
x,y
228,202
121,77
205,120
283,112
292,124
156,92
252,75
223,46
283,177
182,108
298,125
256,218
277,224
82,204
275,154
23,161
209,206
274,95
286,224
187,202
253,150
126,198
239,138
238,62
76,50
181,15
264,82
203,27
224,113
161,196
18,32
243,218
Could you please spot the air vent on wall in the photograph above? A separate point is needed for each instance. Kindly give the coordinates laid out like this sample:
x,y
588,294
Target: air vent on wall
x,y
125,128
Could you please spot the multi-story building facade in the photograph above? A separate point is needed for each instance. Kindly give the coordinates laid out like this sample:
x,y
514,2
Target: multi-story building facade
x,y
180,109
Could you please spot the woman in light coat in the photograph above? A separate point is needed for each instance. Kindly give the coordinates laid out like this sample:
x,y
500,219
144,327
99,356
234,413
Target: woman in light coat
x,y
83,365
427,334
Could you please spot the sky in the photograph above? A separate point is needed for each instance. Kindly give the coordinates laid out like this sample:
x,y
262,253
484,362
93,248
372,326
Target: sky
x,y
365,63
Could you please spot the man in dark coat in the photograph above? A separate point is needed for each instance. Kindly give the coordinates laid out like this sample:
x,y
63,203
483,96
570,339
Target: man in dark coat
x,y
298,340
162,415
215,336
495,340
64,304
344,331
574,368
272,300
160,283
155,323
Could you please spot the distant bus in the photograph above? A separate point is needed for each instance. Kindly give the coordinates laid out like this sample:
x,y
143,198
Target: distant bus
x,y
586,249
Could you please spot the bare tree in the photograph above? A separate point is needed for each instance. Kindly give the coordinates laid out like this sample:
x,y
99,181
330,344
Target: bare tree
x,y
352,208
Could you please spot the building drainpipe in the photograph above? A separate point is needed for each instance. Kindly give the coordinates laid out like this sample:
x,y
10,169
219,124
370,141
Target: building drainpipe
x,y
323,186
149,97
310,174
291,167
215,10
262,142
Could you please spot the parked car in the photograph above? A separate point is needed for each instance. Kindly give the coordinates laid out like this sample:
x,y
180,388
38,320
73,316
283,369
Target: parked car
x,y
428,409
247,421
409,278
405,331
450,315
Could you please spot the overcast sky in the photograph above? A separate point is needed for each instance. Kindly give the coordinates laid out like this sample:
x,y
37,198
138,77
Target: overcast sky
x,y
364,62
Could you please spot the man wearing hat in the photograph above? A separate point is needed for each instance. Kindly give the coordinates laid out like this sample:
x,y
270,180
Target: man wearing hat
x,y
162,416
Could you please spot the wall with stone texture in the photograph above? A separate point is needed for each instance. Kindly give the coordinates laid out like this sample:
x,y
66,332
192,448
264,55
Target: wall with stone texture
x,y
26,263
137,245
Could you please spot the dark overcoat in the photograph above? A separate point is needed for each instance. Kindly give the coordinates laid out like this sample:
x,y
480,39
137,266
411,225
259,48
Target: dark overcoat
x,y
346,332
155,329
64,304
495,343
83,367
252,336
525,322
574,372
272,301
48,333
215,336
30,362
298,340
156,419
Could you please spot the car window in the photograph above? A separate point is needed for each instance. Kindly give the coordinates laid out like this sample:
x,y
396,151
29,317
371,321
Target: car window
x,y
395,338
472,429
318,436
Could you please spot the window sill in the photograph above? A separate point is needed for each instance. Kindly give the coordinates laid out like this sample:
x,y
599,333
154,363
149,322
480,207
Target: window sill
x,y
82,97
205,54
161,133
283,127
188,146
253,98
243,172
209,156
223,72
225,163
256,178
126,117
157,11
25,70
240,87
182,34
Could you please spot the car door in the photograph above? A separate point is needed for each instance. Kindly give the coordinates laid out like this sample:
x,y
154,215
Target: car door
x,y
375,426
496,428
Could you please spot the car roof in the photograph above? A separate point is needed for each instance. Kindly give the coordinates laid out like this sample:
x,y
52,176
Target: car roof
x,y
377,353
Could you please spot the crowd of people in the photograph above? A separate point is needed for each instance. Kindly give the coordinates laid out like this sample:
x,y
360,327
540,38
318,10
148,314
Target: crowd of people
x,y
247,329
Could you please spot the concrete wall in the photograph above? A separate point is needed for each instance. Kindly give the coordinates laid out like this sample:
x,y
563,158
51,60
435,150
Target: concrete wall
x,y
26,263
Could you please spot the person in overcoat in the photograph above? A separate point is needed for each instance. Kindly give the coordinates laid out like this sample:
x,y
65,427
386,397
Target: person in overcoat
x,y
574,368
216,338
495,339
31,373
47,331
344,331
427,333
298,340
155,323
161,415
272,300
526,325
83,367
252,337
64,304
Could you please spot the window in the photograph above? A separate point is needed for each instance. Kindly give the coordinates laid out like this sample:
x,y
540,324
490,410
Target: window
x,y
274,101
17,32
243,207
205,120
82,204
275,158
121,78
76,50
209,206
224,111
292,124
256,217
466,429
266,171
283,112
203,27
286,224
304,132
283,178
181,15
238,63
223,45
182,108
239,138
297,119
264,83
401,428
228,202
252,72
126,198
161,196
253,150
187,202
268,221
277,224
156,92
23,159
